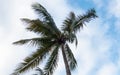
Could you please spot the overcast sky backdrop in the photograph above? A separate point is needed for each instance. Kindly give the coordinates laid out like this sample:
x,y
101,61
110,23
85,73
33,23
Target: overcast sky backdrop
x,y
98,51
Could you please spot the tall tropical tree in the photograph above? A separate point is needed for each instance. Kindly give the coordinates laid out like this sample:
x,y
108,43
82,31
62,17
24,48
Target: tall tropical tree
x,y
51,40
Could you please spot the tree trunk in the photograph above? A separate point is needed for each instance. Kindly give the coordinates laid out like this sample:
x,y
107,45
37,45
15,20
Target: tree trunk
x,y
68,72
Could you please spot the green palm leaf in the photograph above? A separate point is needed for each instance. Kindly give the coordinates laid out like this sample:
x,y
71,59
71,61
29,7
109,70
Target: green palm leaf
x,y
71,37
68,23
39,27
73,23
68,28
52,62
33,41
70,57
46,17
81,19
34,59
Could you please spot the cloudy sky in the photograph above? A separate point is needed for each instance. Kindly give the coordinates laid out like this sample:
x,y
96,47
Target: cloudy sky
x,y
98,51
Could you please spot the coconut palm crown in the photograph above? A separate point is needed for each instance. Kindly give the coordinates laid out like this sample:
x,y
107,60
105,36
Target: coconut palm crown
x,y
51,40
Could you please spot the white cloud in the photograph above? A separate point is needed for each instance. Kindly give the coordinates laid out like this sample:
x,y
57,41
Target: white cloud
x,y
114,13
113,8
108,69
98,3
117,25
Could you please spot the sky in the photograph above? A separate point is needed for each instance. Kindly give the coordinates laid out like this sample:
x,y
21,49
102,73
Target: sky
x,y
98,50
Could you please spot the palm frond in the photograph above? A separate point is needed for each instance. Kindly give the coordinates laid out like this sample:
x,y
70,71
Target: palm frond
x,y
52,62
34,59
70,57
81,19
68,23
33,41
68,28
71,37
38,27
73,23
46,17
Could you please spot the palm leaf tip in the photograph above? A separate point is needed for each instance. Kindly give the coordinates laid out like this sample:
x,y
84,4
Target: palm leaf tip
x,y
25,20
40,10
20,42
36,5
92,13
72,15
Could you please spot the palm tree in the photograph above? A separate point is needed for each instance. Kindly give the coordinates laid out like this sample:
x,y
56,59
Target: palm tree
x,y
51,40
